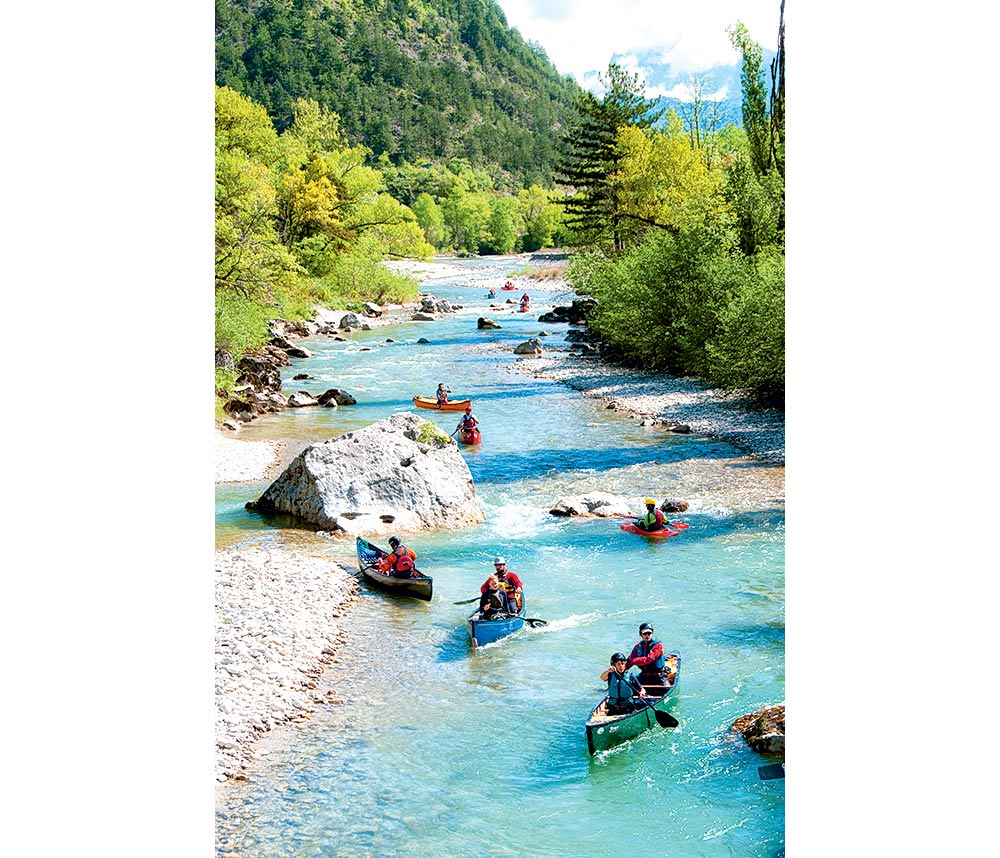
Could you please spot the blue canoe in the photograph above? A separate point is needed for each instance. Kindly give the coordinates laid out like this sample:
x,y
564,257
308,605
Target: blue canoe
x,y
486,631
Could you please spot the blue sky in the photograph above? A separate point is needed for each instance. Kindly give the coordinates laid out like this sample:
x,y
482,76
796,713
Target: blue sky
x,y
666,41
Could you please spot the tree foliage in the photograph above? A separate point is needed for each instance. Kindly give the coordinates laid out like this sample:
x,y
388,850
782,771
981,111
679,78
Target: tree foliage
x,y
590,156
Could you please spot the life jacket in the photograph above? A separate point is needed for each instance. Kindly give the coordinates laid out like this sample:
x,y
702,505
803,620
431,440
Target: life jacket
x,y
619,690
469,421
652,520
657,665
510,591
401,560
492,601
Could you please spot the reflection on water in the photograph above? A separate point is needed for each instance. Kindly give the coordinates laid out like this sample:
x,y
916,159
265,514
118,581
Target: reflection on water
x,y
429,731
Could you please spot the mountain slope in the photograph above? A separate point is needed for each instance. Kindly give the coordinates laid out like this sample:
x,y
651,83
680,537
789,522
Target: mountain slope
x,y
415,79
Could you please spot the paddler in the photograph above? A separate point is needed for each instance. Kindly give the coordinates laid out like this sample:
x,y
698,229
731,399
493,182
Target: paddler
x,y
468,421
509,583
652,520
622,685
648,656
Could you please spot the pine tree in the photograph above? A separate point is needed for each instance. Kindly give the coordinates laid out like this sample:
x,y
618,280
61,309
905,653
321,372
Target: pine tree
x,y
589,159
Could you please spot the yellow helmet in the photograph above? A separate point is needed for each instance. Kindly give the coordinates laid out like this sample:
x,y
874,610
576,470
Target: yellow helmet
x,y
650,501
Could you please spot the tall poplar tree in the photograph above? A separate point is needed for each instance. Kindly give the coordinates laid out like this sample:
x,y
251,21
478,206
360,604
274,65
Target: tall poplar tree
x,y
590,159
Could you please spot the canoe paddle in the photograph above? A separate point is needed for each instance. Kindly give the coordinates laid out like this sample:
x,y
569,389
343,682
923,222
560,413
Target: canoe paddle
x,y
664,719
769,773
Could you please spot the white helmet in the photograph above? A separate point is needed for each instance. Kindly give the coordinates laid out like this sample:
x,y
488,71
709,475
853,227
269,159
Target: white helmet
x,y
499,561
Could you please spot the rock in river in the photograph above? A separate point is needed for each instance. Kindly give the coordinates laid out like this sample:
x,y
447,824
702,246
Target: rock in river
x,y
378,479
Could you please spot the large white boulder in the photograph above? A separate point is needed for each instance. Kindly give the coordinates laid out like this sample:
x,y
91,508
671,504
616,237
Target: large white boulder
x,y
378,479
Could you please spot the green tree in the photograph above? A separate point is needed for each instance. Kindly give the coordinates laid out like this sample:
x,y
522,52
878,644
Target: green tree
x,y
590,156
542,217
503,226
431,220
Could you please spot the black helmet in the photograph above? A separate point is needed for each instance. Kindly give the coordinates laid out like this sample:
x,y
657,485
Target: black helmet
x,y
618,656
394,541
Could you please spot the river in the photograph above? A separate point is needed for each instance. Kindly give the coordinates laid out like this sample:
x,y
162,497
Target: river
x,y
444,751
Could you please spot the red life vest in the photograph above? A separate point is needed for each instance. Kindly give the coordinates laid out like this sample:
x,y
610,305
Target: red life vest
x,y
401,560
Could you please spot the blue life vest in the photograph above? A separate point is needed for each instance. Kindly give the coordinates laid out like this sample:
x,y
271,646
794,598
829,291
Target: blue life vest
x,y
657,665
619,690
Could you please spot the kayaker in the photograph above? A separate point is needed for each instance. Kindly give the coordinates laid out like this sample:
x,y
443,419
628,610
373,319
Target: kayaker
x,y
442,395
652,520
493,599
468,421
622,686
493,293
648,656
400,562
509,583
525,301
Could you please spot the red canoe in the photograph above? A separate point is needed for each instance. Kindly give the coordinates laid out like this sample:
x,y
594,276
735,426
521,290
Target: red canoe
x,y
470,436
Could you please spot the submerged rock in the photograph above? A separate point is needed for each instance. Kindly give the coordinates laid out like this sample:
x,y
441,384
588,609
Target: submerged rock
x,y
399,474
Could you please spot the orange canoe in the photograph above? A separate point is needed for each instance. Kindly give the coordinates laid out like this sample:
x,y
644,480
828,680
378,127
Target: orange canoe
x,y
431,403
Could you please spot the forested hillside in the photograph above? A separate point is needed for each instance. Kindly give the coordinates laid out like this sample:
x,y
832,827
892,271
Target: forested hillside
x,y
418,80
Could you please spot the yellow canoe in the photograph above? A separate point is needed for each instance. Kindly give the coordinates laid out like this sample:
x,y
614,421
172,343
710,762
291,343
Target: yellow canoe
x,y
431,403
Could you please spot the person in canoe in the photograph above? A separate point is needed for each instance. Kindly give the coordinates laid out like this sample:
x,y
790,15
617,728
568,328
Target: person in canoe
x,y
442,395
648,656
492,600
622,686
653,519
468,421
509,583
400,562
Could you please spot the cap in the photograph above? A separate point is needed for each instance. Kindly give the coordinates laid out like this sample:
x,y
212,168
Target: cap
x,y
499,561
645,627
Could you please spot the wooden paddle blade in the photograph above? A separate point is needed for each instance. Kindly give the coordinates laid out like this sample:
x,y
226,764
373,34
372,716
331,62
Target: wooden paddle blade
x,y
772,771
466,601
665,719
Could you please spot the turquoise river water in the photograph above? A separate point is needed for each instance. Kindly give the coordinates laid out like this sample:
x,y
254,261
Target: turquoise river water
x,y
438,750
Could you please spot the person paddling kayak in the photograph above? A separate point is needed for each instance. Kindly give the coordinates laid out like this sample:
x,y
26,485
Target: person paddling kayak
x,y
468,421
652,520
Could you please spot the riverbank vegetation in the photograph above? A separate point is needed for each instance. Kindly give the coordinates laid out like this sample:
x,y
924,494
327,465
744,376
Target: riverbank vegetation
x,y
681,230
300,220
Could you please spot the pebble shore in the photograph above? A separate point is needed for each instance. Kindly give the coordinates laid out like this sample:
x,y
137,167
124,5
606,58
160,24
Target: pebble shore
x,y
277,612
276,627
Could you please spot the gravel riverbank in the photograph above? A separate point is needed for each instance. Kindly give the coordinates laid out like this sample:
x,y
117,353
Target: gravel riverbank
x,y
276,627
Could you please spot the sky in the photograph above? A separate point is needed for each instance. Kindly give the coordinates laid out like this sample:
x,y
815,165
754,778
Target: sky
x,y
662,40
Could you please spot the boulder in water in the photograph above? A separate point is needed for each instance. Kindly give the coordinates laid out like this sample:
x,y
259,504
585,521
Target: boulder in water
x,y
764,730
531,346
400,474
485,324
594,504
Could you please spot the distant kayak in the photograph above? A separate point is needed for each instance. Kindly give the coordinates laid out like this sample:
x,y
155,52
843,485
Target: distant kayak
x,y
469,436
508,288
431,403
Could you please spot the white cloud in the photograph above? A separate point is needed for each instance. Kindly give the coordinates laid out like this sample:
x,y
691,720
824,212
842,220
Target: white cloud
x,y
682,92
582,36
